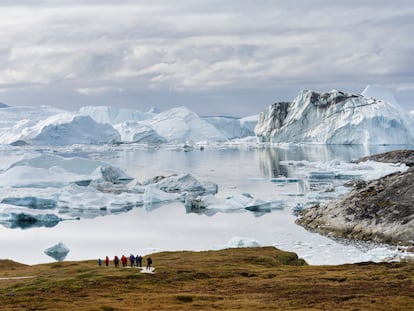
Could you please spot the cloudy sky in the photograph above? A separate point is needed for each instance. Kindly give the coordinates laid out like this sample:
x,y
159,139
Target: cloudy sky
x,y
217,57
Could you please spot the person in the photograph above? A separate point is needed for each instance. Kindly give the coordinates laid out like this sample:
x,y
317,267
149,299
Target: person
x,y
139,260
132,260
116,261
124,261
149,263
106,261
99,262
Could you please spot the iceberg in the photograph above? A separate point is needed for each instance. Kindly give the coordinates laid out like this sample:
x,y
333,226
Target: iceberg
x,y
237,242
136,132
113,115
179,125
185,183
234,127
336,118
152,195
58,129
58,251
15,120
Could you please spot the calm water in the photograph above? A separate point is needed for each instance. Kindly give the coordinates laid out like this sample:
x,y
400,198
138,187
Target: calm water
x,y
144,230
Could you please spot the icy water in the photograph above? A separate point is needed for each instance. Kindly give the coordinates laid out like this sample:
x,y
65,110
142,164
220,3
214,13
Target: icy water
x,y
236,169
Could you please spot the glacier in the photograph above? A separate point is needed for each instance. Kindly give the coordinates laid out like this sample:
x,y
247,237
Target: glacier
x,y
337,117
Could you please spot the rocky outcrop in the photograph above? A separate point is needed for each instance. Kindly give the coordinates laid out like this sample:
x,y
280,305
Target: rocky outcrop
x,y
396,156
379,211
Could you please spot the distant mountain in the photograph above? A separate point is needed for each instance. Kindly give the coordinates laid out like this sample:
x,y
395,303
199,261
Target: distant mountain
x,y
337,118
3,105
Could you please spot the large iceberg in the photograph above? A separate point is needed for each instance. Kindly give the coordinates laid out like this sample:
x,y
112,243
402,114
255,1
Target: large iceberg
x,y
15,120
337,118
57,129
20,126
179,125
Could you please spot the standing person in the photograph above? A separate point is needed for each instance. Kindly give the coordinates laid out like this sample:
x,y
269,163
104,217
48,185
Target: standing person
x,y
116,261
149,263
106,261
124,261
132,260
99,262
139,260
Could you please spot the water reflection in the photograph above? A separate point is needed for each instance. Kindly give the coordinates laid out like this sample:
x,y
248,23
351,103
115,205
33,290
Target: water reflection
x,y
269,157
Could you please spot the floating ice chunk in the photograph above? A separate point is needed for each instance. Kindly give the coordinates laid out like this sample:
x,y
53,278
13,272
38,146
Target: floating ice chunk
x,y
152,195
58,251
186,183
108,179
239,201
200,203
246,201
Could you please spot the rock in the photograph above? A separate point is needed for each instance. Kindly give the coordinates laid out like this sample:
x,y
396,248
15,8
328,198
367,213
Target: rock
x,y
381,211
396,156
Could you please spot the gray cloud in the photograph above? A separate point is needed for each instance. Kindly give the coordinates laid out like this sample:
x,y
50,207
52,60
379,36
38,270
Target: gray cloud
x,y
173,52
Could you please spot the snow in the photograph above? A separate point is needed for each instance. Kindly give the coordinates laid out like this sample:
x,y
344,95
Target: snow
x,y
337,118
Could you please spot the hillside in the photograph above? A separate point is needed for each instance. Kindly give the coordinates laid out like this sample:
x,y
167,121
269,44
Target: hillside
x,y
246,279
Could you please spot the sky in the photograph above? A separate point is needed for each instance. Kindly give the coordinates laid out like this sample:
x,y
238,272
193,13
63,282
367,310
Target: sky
x,y
216,57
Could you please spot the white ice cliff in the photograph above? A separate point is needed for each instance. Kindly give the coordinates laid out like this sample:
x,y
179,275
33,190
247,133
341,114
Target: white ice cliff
x,y
337,118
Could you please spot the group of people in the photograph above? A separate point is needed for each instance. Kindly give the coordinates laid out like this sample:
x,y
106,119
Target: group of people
x,y
133,261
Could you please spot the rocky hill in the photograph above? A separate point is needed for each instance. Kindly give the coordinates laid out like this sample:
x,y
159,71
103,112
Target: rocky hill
x,y
381,210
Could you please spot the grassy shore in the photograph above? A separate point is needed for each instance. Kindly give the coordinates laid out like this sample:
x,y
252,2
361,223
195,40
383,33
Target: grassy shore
x,y
247,279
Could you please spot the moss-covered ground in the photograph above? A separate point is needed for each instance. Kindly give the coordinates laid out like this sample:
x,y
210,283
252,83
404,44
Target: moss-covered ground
x,y
233,279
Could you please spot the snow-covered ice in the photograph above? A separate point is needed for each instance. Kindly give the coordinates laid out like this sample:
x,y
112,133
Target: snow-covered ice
x,y
337,118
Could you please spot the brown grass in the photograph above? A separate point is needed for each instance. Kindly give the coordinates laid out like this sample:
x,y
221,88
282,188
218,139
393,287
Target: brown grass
x,y
246,279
